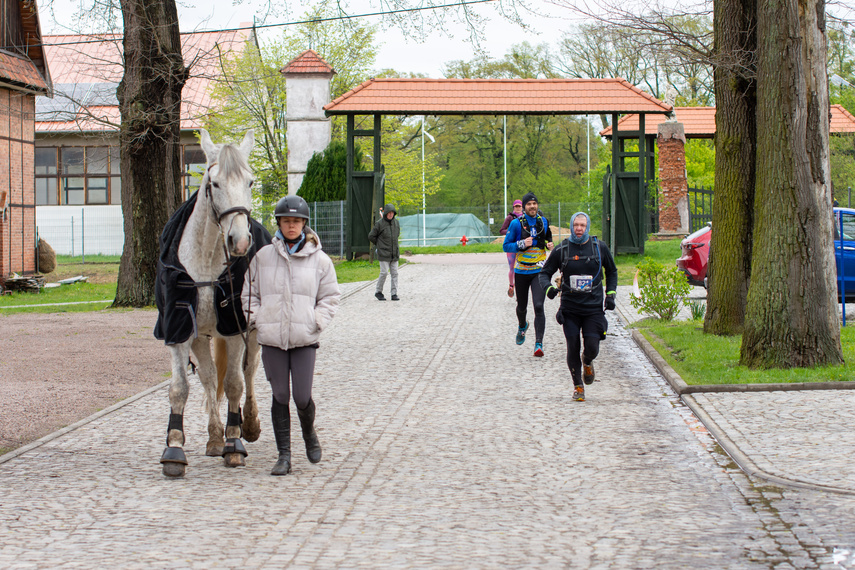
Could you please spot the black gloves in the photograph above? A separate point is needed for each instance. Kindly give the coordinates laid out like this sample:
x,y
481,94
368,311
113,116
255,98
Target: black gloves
x,y
551,292
610,302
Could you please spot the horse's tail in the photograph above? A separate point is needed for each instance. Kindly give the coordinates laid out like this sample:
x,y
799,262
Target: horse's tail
x,y
221,360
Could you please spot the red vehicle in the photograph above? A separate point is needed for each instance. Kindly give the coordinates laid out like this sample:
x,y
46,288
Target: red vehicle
x,y
695,251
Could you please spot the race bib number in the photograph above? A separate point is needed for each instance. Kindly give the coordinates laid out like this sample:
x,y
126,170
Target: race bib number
x,y
581,283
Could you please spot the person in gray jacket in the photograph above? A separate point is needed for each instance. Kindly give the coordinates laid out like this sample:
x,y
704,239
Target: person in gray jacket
x,y
290,295
384,235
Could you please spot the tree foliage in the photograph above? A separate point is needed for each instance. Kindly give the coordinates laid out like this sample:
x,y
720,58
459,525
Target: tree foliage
x,y
326,173
252,93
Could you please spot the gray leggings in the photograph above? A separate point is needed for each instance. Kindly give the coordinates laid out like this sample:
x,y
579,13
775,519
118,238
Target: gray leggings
x,y
298,364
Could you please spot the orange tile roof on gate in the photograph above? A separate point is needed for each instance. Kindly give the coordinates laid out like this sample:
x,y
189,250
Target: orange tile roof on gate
x,y
407,96
699,122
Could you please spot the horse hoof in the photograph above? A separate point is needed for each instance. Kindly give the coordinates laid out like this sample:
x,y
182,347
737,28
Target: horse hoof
x,y
234,460
214,449
250,429
173,470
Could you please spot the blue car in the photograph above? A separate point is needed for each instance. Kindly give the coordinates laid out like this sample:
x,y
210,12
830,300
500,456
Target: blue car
x,y
845,250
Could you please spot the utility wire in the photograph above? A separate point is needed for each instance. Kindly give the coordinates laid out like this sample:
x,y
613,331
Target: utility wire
x,y
107,37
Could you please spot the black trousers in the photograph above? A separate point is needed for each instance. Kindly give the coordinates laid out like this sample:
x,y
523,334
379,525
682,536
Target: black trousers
x,y
522,283
591,328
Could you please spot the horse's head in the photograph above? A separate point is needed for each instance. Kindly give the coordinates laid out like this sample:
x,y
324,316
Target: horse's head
x,y
227,186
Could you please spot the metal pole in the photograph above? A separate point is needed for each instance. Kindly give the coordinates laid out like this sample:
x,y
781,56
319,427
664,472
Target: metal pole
x,y
82,235
424,213
505,157
850,198
341,227
72,236
588,154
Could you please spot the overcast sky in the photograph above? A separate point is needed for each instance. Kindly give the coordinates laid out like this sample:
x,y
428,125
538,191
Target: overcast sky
x,y
398,51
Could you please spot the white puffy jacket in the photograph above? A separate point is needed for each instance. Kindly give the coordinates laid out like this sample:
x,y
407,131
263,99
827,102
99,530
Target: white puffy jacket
x,y
290,298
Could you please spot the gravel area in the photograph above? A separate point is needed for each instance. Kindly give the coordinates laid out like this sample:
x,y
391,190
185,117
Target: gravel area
x,y
56,369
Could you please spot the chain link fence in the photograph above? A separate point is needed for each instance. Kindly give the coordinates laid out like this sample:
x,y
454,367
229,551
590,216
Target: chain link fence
x,y
98,230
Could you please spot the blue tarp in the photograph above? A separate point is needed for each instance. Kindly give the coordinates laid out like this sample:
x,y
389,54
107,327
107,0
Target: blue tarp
x,y
442,229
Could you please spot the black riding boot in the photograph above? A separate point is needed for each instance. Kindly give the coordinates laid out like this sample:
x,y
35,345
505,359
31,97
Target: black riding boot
x,y
307,423
281,414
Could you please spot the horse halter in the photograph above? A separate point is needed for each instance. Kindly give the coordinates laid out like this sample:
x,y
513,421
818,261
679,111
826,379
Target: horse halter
x,y
220,215
209,195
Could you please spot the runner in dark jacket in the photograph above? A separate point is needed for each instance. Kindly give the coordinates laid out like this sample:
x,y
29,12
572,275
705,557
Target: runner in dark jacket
x,y
581,259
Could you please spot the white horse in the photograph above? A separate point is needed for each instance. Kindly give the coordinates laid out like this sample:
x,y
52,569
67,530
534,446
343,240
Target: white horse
x,y
217,232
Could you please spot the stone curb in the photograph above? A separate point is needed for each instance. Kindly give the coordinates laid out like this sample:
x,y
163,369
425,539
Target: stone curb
x,y
743,460
60,432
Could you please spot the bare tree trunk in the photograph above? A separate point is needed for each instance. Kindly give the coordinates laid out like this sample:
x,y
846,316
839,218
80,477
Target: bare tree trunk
x,y
149,100
791,318
735,142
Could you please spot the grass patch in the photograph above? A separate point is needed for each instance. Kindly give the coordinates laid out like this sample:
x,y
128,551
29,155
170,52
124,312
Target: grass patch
x,y
710,359
357,270
665,252
49,299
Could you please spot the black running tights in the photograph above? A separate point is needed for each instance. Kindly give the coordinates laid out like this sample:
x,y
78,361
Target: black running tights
x,y
573,325
522,283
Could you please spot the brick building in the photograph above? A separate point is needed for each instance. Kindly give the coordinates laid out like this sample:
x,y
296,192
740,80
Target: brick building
x,y
23,75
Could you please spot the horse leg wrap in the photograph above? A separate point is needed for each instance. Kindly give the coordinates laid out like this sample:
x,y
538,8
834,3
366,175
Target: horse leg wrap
x,y
235,419
173,455
176,421
234,445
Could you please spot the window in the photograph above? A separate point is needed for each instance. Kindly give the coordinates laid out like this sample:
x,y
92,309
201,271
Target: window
x,y
77,175
848,227
46,188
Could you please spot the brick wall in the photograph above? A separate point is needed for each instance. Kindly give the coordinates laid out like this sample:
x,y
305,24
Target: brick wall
x,y
673,186
17,171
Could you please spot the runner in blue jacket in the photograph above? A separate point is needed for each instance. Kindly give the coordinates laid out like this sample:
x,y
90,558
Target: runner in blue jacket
x,y
529,237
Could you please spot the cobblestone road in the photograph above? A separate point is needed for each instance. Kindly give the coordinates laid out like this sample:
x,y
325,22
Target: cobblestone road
x,y
445,446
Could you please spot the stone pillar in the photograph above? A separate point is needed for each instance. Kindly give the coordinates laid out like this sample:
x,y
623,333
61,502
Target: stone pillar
x,y
307,86
673,186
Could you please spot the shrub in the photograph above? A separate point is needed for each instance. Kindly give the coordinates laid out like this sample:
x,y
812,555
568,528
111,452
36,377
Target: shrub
x,y
662,290
698,310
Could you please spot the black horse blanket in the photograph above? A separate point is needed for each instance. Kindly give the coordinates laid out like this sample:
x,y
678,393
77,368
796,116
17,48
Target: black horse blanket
x,y
175,292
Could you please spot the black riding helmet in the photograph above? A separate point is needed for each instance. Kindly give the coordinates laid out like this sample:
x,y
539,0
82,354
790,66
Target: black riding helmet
x,y
291,207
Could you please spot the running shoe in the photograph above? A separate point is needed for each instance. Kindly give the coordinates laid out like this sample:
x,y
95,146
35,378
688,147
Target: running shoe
x,y
521,333
579,393
588,373
395,298
538,349
380,296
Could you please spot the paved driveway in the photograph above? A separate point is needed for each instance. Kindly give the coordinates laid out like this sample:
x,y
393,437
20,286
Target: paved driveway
x,y
445,446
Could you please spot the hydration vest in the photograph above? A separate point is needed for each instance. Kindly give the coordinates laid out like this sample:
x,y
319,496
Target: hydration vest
x,y
539,235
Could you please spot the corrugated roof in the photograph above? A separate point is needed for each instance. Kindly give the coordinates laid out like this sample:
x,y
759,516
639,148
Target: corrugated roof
x,y
405,96
97,60
308,62
699,122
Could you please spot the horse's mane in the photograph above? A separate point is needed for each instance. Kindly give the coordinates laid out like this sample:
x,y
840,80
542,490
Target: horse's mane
x,y
231,161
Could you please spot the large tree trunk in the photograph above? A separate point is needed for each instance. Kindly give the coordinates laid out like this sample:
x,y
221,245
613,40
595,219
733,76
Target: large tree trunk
x,y
791,319
735,143
149,100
